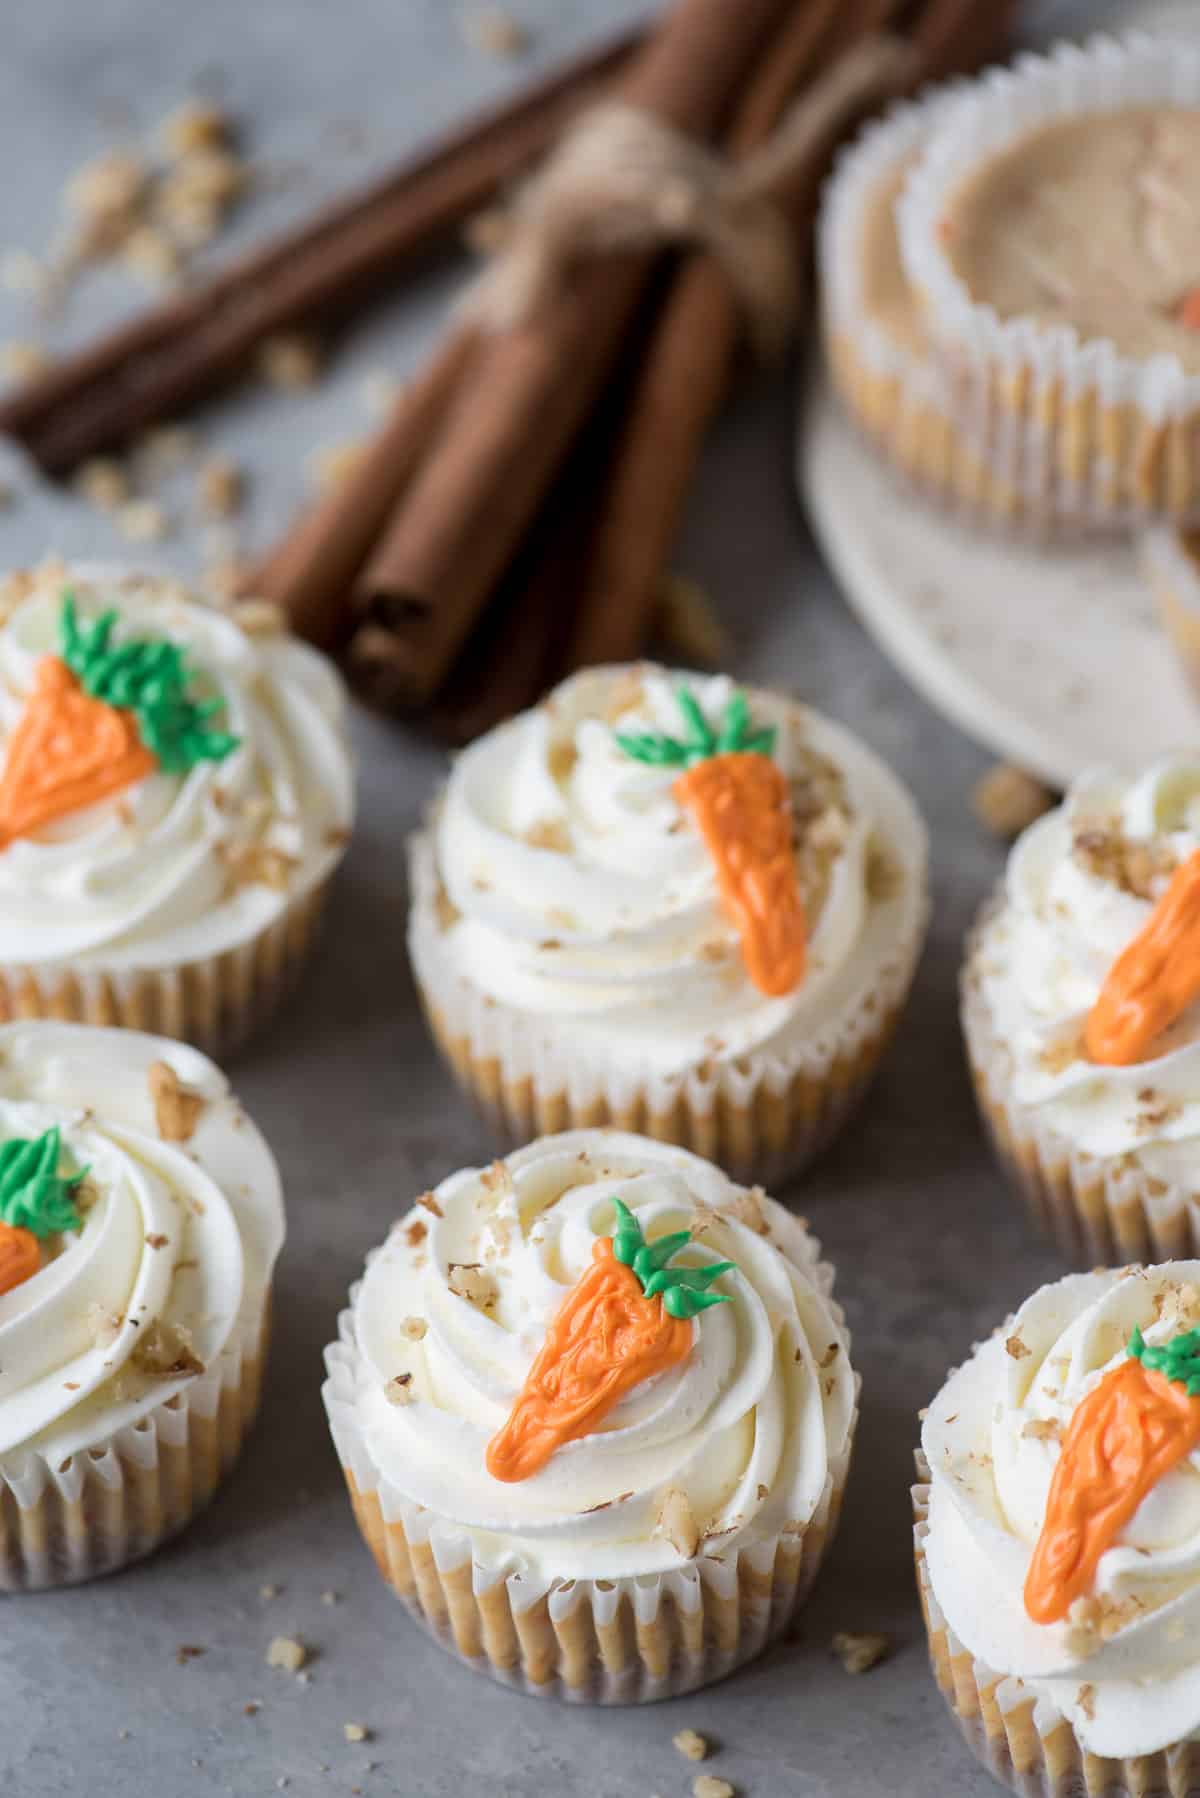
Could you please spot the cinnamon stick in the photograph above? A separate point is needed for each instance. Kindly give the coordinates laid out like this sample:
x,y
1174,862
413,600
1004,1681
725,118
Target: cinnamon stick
x,y
688,369
681,386
311,572
187,347
458,525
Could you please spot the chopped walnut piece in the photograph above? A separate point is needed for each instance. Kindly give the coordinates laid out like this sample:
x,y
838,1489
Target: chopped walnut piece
x,y
287,1653
103,483
677,1522
177,1110
331,463
1016,1348
290,361
747,1209
188,1651
858,1653
164,1350
468,1280
428,1202
398,1390
707,1785
691,1744
356,1732
257,864
259,618
496,1179
416,1232
156,1240
494,32
23,361
549,833
1132,865
1042,1429
1007,801
107,187
413,1329
220,484
142,521
196,125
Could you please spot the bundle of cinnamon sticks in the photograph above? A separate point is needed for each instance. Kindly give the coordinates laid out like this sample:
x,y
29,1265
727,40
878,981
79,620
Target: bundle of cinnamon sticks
x,y
515,516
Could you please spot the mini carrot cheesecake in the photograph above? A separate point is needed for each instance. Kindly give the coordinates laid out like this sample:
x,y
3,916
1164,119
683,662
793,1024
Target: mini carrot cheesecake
x,y
1080,1015
661,902
595,1407
1048,234
140,1218
875,340
1057,1521
175,793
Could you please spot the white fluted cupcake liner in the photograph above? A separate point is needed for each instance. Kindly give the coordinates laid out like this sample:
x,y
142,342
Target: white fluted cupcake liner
x,y
631,1640
1020,1736
896,395
1080,433
1170,559
759,1116
130,1490
214,1003
1099,1211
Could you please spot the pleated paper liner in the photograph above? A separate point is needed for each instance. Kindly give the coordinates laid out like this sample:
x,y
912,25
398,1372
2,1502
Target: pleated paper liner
x,y
1169,558
1021,1738
215,1003
128,1492
1099,1211
632,1640
761,1117
1081,434
895,392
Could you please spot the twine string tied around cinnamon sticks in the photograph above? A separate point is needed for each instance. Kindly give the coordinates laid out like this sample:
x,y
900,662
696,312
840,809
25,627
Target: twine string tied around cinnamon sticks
x,y
622,180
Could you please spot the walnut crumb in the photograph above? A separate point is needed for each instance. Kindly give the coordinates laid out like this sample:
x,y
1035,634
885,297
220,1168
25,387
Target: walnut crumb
x,y
496,1179
220,484
287,1653
413,1328
177,1109
196,125
1007,801
142,521
398,1390
549,833
469,1281
428,1202
156,1240
102,483
188,1651
164,1350
1016,1348
290,360
1042,1429
356,1732
691,1744
707,1785
494,32
677,1522
858,1653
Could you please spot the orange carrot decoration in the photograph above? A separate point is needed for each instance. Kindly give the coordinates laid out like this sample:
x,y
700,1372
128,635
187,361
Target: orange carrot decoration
x,y
67,752
35,1201
1154,979
1134,1426
20,1256
626,1319
741,805
101,716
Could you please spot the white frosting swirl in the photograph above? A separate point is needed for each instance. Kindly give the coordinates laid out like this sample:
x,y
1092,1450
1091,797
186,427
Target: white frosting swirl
x,y
1125,1667
747,1428
165,870
176,1247
1081,883
582,891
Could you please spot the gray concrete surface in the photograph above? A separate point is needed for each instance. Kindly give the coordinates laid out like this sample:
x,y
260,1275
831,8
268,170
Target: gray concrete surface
x,y
931,1251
